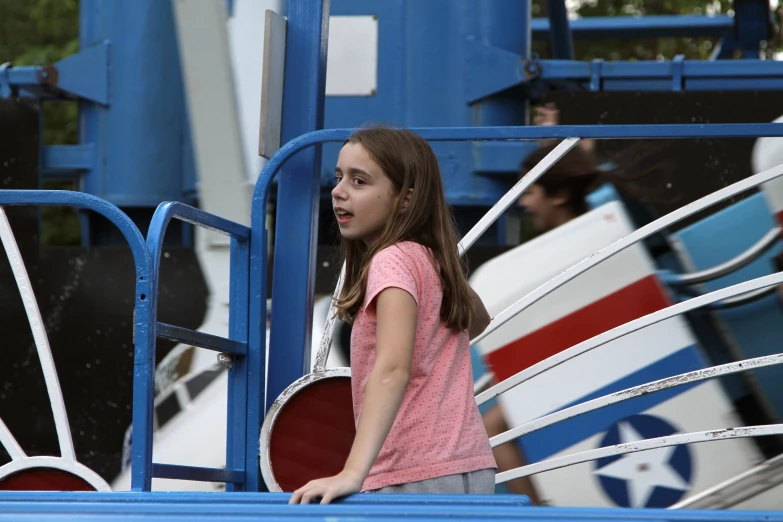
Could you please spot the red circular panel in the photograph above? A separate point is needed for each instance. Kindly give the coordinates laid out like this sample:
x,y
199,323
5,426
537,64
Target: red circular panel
x,y
313,433
44,479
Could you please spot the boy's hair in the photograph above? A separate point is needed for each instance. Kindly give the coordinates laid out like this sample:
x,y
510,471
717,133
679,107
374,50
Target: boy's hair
x,y
410,163
636,172
574,175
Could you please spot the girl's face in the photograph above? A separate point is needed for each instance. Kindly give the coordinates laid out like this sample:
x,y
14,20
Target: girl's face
x,y
363,200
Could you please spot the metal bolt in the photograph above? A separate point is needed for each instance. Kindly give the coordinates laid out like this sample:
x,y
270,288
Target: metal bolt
x,y
226,360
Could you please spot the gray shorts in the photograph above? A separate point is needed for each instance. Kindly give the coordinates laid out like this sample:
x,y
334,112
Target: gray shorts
x,y
480,482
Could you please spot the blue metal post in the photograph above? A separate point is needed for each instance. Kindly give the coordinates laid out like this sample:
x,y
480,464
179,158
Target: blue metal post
x,y
559,30
297,201
238,330
752,25
139,137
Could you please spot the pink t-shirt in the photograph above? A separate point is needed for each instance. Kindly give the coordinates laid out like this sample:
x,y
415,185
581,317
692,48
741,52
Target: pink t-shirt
x,y
438,430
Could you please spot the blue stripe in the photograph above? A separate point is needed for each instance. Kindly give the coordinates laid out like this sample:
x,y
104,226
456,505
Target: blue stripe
x,y
554,439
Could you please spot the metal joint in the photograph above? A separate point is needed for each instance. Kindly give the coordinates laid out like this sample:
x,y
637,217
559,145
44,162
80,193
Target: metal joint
x,y
677,77
48,75
226,360
6,91
532,68
596,67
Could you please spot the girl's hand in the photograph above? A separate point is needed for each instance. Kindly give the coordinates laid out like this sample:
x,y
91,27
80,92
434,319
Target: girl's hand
x,y
344,483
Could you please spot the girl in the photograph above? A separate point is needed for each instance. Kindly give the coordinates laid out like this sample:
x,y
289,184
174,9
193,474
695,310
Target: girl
x,y
418,427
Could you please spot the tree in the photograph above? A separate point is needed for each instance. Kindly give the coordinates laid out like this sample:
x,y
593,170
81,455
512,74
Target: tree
x,y
40,32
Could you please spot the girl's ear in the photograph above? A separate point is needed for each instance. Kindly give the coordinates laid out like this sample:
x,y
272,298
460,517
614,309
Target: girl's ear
x,y
406,200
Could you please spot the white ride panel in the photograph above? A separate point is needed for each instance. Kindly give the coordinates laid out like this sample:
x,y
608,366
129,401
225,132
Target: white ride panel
x,y
621,289
768,153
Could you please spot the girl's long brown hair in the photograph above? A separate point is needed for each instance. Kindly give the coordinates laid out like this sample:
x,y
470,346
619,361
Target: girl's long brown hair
x,y
410,163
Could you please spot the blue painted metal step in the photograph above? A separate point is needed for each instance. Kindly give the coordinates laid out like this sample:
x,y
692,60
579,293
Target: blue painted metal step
x,y
268,506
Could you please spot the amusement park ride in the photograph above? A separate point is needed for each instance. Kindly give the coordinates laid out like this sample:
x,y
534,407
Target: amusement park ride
x,y
636,357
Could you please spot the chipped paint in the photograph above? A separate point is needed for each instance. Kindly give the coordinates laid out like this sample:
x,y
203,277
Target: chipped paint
x,y
641,445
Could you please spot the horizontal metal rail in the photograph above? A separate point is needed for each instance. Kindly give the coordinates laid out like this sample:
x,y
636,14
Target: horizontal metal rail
x,y
641,445
757,250
634,392
201,339
178,472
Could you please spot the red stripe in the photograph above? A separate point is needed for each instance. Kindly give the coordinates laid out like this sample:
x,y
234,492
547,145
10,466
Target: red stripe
x,y
635,300
780,217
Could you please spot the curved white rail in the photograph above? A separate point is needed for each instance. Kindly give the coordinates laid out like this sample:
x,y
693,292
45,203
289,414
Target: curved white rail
x,y
629,240
609,251
627,328
9,443
515,192
633,392
40,338
633,447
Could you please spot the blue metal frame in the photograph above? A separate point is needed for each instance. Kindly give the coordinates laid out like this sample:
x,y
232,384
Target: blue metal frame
x,y
125,498
495,70
144,308
240,465
303,109
560,31
172,506
656,26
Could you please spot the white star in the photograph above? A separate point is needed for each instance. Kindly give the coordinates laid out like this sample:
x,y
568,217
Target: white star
x,y
643,470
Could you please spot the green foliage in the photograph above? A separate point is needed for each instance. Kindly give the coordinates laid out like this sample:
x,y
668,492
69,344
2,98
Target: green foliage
x,y
40,32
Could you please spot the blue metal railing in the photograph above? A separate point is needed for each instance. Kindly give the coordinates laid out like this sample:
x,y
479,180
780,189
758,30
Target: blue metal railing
x,y
240,464
144,306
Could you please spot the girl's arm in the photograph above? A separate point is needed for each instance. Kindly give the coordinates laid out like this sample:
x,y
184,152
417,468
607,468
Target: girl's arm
x,y
396,313
481,317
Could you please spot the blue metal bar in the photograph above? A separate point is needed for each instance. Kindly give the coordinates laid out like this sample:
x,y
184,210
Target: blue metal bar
x,y
144,307
495,70
67,157
200,339
237,344
657,26
238,328
173,209
753,25
24,76
422,510
691,69
297,201
121,498
560,32
177,472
